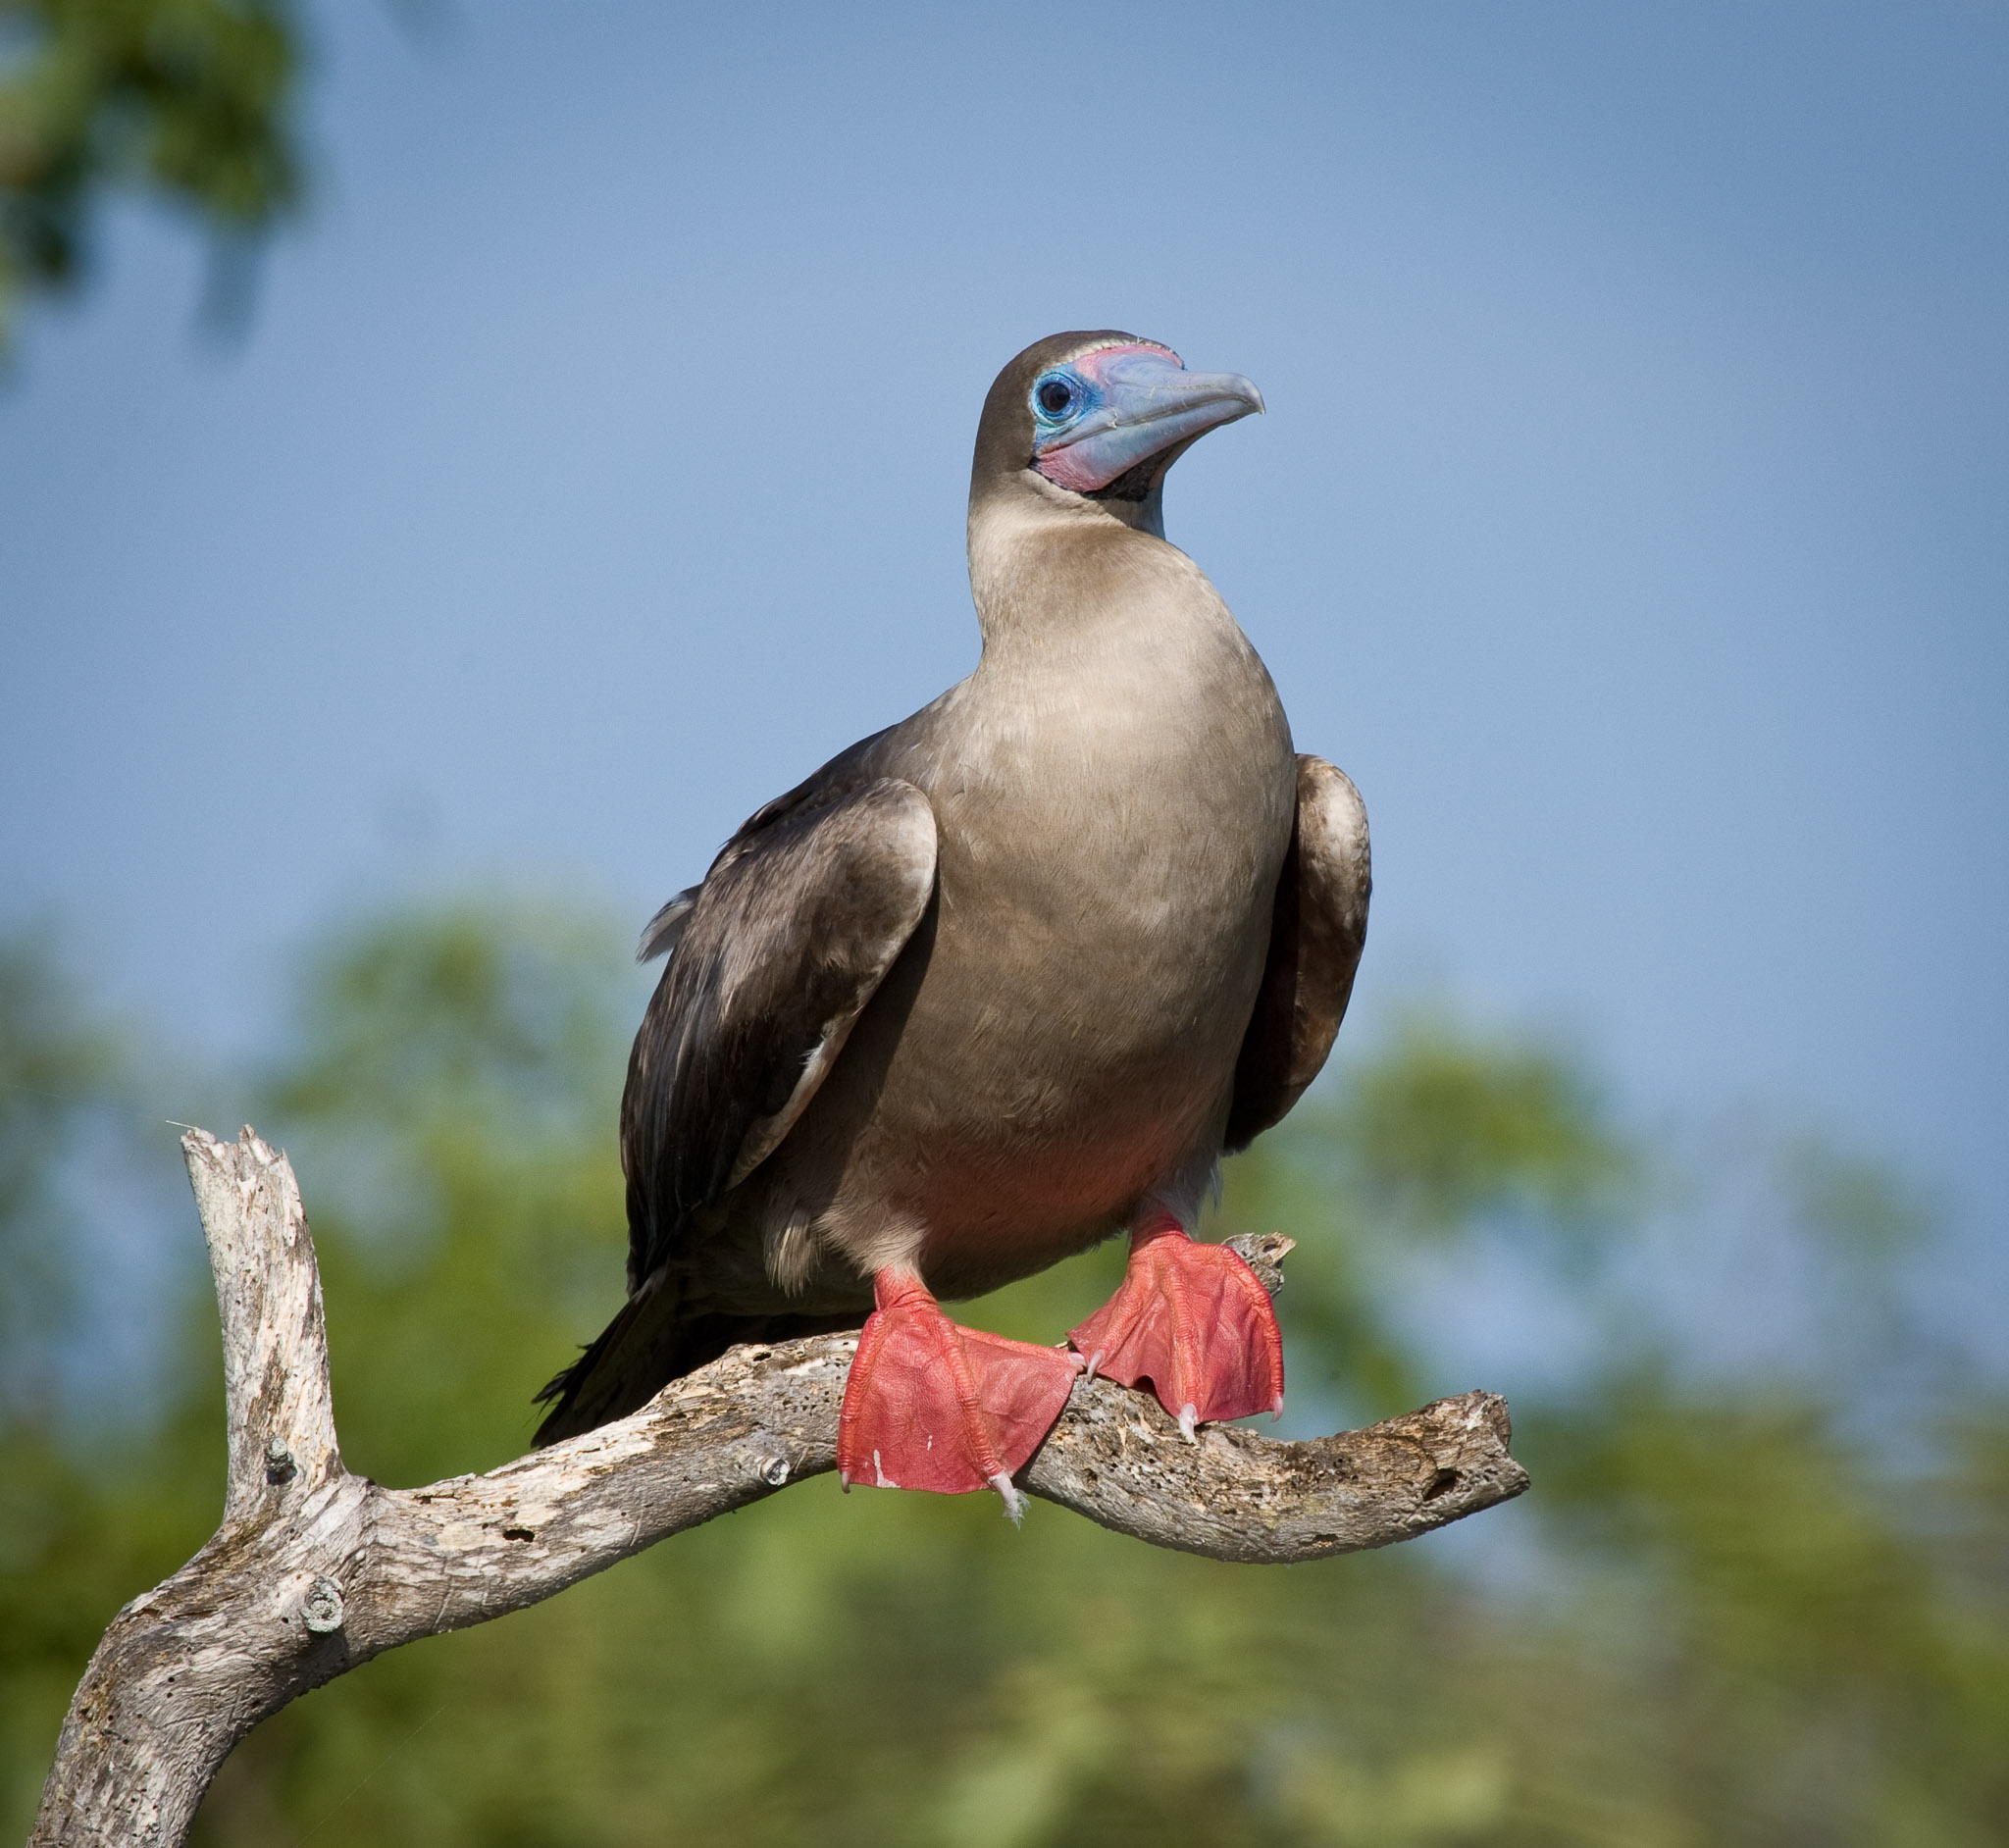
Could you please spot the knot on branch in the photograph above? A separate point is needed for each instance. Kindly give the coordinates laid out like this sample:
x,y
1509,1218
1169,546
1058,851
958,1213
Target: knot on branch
x,y
324,1608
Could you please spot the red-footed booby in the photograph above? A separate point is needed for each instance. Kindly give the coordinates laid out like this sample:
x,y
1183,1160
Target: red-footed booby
x,y
1002,981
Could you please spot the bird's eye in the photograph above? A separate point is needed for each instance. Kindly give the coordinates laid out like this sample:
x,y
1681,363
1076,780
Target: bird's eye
x,y
1055,396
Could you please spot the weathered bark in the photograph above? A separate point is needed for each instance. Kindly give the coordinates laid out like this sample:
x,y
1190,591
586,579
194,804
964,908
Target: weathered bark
x,y
315,1570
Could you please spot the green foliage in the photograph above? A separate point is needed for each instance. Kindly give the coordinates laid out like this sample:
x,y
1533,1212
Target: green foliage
x,y
452,1109
57,1063
1451,1126
191,100
1721,1618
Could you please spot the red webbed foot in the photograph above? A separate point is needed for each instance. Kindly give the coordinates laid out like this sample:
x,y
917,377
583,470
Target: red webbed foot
x,y
1193,1321
930,1404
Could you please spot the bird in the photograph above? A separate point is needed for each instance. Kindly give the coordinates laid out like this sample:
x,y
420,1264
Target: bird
x,y
1002,981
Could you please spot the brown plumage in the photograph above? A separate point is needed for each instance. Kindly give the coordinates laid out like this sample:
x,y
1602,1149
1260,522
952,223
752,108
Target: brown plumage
x,y
999,980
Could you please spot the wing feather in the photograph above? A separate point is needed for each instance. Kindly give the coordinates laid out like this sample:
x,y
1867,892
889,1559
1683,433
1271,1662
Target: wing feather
x,y
772,960
1317,931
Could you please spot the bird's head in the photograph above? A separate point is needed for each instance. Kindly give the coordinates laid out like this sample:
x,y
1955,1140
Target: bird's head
x,y
1101,416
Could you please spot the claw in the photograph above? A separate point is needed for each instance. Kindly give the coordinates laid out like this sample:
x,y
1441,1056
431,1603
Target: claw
x,y
1015,1503
1189,1421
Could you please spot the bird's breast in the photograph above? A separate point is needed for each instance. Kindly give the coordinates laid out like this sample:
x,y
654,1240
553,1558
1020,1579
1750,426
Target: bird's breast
x,y
1111,831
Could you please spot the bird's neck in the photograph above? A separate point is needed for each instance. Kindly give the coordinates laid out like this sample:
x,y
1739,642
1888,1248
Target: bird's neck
x,y
1052,570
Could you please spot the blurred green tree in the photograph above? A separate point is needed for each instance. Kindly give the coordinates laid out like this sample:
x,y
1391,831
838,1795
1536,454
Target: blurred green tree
x,y
55,1063
1724,1617
188,101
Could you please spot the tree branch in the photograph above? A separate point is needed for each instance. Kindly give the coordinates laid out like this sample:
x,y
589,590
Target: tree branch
x,y
315,1570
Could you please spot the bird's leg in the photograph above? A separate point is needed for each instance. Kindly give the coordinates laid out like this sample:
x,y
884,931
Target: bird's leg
x,y
930,1404
1193,1321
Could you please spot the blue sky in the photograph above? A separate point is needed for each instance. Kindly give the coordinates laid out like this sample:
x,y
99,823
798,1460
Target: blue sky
x,y
1632,518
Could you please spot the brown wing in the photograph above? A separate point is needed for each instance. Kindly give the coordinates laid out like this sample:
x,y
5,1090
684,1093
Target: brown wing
x,y
783,944
1316,930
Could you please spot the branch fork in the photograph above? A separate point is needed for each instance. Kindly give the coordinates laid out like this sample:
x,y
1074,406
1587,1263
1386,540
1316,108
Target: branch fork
x,y
314,1570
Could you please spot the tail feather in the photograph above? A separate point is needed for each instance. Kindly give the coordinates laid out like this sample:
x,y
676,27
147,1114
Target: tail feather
x,y
644,1348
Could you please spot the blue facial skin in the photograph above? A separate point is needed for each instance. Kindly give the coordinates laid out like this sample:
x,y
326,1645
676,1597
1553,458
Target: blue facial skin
x,y
1082,397
1119,406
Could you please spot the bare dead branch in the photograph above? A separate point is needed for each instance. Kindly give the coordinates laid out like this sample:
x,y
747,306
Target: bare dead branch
x,y
315,1570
